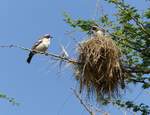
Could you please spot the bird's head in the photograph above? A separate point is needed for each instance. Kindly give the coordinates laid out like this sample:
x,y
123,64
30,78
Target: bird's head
x,y
48,36
96,30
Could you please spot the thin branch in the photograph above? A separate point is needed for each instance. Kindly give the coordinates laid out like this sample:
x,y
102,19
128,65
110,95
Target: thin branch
x,y
70,60
66,59
136,70
147,92
138,50
133,70
134,19
92,110
140,81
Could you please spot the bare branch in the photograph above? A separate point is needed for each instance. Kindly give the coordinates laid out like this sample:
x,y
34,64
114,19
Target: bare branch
x,y
70,60
83,103
92,110
66,59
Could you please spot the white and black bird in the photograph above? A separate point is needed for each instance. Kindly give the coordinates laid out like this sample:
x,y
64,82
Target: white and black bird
x,y
40,46
97,31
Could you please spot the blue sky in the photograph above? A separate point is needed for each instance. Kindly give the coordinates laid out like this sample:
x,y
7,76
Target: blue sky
x,y
39,87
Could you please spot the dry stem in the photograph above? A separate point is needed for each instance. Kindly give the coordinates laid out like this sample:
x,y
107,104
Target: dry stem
x,y
66,59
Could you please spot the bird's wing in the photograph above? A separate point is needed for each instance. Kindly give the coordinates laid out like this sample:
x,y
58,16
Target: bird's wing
x,y
36,44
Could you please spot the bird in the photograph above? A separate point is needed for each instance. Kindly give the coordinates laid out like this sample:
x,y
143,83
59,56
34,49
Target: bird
x,y
40,46
97,31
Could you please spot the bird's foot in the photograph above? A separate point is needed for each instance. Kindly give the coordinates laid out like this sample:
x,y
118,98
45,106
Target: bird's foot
x,y
46,53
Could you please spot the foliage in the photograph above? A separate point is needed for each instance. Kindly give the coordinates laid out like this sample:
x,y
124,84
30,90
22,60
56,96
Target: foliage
x,y
144,109
83,24
9,99
131,31
129,105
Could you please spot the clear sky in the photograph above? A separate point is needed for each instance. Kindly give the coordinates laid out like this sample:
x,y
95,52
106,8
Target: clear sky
x,y
40,88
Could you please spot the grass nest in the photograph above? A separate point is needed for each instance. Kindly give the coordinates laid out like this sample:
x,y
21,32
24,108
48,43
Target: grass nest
x,y
99,71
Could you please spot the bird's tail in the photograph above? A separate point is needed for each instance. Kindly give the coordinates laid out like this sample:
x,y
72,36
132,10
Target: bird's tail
x,y
30,57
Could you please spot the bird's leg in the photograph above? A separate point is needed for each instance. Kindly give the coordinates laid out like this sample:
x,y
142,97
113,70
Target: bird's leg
x,y
46,53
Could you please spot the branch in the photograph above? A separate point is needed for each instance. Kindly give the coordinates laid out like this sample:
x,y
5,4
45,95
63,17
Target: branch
x,y
88,107
135,70
138,50
134,19
69,60
83,103
140,81
9,99
66,59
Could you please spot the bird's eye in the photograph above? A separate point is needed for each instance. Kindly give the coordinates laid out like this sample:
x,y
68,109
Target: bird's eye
x,y
94,28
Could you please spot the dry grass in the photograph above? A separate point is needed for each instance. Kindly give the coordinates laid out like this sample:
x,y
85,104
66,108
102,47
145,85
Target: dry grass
x,y
99,72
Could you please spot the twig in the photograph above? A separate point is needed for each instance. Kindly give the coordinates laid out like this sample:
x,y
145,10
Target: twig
x,y
66,59
88,107
134,19
140,81
138,50
83,103
147,92
136,70
69,60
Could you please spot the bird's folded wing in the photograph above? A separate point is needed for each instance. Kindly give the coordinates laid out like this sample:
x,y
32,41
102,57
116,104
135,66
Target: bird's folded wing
x,y
36,44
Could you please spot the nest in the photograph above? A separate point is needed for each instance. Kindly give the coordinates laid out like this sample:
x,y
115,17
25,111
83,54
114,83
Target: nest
x,y
99,71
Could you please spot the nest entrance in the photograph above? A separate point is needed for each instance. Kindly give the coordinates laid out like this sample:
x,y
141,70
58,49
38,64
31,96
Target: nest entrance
x,y
99,72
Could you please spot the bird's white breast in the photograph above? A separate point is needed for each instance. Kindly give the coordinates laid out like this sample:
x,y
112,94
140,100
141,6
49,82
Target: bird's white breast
x,y
43,46
46,42
100,33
